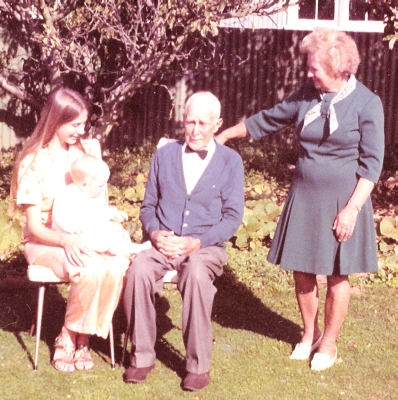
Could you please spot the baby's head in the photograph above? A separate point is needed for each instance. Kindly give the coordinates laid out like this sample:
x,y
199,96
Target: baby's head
x,y
90,174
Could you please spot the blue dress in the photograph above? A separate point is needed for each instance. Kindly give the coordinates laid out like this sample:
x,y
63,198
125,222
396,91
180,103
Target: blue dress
x,y
326,173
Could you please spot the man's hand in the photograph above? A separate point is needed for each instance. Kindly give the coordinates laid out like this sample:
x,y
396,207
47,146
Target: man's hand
x,y
173,246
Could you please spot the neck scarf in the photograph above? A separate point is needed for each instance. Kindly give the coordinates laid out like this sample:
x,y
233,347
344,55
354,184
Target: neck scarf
x,y
315,112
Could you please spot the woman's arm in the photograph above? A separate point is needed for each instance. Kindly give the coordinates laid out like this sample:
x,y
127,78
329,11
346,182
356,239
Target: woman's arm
x,y
344,223
73,246
235,132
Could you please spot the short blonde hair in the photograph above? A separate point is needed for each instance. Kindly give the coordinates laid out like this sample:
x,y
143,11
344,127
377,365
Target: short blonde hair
x,y
336,51
87,167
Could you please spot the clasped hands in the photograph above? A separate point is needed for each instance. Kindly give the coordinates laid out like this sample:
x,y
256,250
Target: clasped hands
x,y
173,246
344,223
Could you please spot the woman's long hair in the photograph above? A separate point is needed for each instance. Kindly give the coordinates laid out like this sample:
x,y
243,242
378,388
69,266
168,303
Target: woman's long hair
x,y
63,106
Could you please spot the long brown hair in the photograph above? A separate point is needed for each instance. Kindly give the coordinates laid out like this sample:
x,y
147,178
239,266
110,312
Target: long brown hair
x,y
63,106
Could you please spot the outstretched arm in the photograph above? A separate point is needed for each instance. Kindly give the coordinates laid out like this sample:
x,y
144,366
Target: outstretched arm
x,y
235,132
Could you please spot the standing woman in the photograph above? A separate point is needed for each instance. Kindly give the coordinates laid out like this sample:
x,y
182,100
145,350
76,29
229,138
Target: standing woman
x,y
41,170
326,227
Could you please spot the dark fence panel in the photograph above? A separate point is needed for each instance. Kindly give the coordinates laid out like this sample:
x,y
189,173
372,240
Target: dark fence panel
x,y
260,67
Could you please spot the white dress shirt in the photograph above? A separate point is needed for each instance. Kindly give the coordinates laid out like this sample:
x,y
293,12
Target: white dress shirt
x,y
194,166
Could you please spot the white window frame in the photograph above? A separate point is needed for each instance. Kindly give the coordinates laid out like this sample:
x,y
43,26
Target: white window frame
x,y
288,19
341,20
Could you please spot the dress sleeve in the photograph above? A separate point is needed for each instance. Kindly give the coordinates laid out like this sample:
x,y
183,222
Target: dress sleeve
x,y
29,182
371,144
273,120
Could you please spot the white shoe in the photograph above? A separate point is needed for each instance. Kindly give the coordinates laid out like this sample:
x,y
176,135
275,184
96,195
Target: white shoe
x,y
322,361
302,351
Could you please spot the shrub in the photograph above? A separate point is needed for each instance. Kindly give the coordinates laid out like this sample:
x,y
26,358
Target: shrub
x,y
267,181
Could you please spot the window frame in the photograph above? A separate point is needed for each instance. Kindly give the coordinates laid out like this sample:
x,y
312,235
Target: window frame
x,y
341,20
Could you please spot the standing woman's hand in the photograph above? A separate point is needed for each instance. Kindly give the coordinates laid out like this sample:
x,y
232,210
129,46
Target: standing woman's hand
x,y
344,223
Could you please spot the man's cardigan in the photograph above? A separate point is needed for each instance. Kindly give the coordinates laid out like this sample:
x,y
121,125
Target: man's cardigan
x,y
213,210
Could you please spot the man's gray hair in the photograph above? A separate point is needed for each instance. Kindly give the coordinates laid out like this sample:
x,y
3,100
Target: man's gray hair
x,y
206,97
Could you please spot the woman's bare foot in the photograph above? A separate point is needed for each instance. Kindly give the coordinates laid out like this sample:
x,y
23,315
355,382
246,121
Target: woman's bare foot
x,y
83,360
63,359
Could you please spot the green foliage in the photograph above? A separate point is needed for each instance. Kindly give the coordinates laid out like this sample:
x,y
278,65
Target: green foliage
x,y
386,9
266,186
10,228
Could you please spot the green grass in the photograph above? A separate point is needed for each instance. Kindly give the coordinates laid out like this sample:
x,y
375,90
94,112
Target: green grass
x,y
256,322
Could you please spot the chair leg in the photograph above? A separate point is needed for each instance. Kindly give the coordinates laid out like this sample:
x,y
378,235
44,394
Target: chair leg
x,y
40,303
112,346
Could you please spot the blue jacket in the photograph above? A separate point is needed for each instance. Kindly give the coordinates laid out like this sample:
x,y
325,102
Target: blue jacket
x,y
214,209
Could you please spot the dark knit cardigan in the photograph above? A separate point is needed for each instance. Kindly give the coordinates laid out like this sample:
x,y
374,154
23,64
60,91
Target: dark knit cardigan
x,y
214,209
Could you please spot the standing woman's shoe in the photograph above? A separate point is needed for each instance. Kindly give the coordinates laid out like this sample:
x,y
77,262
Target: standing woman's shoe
x,y
302,351
322,361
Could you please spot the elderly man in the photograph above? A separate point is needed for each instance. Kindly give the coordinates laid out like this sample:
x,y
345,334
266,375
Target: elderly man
x,y
193,203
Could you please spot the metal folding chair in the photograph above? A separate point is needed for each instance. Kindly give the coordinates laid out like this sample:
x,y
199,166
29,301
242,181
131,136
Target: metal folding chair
x,y
45,277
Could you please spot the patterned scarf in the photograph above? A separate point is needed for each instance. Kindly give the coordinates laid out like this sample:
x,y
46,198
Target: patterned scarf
x,y
315,112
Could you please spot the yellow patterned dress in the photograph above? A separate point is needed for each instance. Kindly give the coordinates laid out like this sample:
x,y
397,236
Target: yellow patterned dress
x,y
93,299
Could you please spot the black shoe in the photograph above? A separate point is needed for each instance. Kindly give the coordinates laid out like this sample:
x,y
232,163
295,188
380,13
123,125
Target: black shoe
x,y
195,382
136,375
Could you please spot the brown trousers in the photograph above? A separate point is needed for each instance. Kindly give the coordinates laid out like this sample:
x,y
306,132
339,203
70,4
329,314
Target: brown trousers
x,y
144,280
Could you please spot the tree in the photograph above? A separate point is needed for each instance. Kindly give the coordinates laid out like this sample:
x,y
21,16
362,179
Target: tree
x,y
388,10
108,49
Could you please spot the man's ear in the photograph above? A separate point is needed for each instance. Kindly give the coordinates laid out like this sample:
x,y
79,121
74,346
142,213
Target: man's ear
x,y
218,124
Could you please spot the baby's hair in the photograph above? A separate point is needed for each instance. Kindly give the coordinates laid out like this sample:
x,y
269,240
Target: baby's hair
x,y
88,167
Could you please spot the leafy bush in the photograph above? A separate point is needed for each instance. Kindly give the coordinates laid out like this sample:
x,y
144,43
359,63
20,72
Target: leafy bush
x,y
267,180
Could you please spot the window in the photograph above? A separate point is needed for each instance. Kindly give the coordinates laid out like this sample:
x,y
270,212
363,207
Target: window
x,y
349,15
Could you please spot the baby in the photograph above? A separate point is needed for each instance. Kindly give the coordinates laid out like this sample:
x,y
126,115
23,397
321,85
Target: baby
x,y
81,209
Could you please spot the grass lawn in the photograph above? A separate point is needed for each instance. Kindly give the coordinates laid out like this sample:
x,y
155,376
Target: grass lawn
x,y
256,323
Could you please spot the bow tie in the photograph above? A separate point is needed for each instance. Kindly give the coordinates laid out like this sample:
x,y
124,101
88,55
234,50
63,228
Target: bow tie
x,y
201,153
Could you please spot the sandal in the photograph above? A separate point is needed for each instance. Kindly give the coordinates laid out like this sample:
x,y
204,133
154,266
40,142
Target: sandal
x,y
83,360
65,356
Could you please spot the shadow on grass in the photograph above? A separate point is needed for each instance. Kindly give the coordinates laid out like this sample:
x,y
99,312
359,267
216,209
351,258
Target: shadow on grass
x,y
18,312
235,307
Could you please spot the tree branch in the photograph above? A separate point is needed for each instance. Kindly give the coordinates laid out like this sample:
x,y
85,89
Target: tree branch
x,y
17,92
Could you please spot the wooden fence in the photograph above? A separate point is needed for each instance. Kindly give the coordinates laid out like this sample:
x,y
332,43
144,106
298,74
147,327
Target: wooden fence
x,y
259,68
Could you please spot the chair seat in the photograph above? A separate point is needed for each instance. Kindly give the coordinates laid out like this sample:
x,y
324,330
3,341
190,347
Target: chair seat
x,y
39,273
171,277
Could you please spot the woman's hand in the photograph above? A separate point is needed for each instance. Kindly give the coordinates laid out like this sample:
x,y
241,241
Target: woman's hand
x,y
75,248
344,223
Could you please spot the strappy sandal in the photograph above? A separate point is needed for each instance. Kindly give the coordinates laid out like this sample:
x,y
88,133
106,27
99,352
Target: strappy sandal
x,y
83,360
67,359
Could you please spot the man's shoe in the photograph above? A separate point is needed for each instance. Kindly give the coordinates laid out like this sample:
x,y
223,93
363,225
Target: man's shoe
x,y
195,382
136,375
